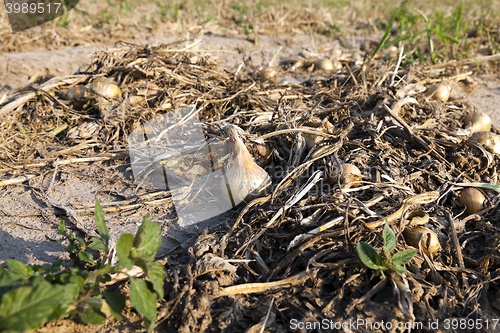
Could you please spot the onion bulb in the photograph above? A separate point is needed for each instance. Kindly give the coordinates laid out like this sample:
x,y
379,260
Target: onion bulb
x,y
439,91
473,199
328,65
243,179
490,141
356,55
351,175
337,53
105,88
325,64
477,122
427,238
268,73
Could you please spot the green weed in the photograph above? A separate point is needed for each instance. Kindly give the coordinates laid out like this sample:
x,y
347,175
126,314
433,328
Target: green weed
x,y
417,31
383,260
31,294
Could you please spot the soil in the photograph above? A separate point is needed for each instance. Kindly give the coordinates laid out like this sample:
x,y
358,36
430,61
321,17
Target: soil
x,y
27,218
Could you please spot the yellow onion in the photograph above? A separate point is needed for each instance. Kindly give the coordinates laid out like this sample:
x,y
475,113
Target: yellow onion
x,y
325,64
136,99
105,88
473,199
356,55
427,238
439,91
337,65
243,179
351,175
268,73
328,65
337,53
477,122
490,141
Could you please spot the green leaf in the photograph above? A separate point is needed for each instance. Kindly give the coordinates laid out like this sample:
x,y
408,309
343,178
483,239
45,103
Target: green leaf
x,y
143,299
96,244
21,269
403,257
62,228
398,269
445,37
385,37
147,240
57,242
71,293
156,276
368,255
389,237
101,224
87,257
56,266
116,303
397,40
141,263
77,278
28,307
69,296
8,281
93,316
123,247
417,36
44,268
481,185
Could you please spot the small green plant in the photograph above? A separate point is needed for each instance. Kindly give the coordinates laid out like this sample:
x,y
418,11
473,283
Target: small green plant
x,y
449,30
31,294
65,20
383,260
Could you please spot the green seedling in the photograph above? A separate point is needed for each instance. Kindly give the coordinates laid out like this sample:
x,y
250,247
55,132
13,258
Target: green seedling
x,y
31,295
23,132
448,29
383,260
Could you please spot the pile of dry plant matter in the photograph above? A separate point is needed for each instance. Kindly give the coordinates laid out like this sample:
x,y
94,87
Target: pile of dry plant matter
x,y
291,254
